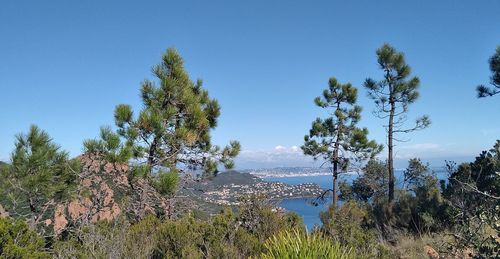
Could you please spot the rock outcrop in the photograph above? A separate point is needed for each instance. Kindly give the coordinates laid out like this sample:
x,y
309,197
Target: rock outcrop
x,y
105,192
3,213
431,252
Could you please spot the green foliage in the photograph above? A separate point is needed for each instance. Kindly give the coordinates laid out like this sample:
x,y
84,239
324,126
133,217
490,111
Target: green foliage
x,y
174,124
261,219
417,209
39,175
139,171
392,95
17,240
141,240
337,139
221,236
415,174
109,145
116,239
166,182
294,244
484,91
349,226
396,87
473,192
416,214
180,239
370,186
100,240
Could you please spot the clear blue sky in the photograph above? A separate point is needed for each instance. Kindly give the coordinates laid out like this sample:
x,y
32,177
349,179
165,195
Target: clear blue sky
x,y
64,65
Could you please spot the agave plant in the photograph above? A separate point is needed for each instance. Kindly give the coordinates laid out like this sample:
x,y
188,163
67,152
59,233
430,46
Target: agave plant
x,y
298,244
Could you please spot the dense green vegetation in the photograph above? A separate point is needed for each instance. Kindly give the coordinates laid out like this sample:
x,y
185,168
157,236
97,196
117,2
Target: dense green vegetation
x,y
455,218
40,174
223,236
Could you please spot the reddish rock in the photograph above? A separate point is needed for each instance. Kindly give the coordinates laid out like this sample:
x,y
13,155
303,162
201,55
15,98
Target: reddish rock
x,y
60,221
105,193
3,213
431,252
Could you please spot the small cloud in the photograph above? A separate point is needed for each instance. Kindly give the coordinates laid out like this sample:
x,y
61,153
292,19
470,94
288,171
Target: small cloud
x,y
278,156
279,148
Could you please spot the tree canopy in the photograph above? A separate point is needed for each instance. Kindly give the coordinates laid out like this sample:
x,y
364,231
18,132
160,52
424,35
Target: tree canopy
x,y
484,91
337,139
173,127
40,174
392,95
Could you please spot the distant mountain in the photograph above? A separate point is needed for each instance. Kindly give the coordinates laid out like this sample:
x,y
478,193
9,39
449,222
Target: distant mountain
x,y
234,177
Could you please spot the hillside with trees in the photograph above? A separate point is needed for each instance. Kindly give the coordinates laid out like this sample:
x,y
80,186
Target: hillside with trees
x,y
124,196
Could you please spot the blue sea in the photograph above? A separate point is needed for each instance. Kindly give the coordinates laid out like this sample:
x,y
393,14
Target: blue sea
x,y
305,208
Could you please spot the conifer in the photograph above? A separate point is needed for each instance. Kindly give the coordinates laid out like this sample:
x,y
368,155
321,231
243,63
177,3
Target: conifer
x,y
337,139
392,95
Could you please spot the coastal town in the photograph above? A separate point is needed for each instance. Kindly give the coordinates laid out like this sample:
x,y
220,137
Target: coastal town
x,y
230,187
230,194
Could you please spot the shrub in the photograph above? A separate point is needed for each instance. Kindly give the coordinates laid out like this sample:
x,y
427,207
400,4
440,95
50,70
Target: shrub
x,y
166,182
102,239
349,226
17,240
297,244
142,239
263,220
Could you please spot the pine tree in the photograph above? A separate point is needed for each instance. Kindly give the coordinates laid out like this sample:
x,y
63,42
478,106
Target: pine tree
x,y
392,95
109,145
172,130
484,91
40,174
337,139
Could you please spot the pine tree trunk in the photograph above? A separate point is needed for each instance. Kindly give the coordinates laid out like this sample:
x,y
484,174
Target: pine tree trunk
x,y
334,187
335,167
390,161
151,154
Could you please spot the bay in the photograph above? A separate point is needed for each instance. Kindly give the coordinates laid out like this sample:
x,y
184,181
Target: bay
x,y
305,208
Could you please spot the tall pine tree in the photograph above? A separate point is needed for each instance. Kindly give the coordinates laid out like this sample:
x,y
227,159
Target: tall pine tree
x,y
172,130
392,95
484,91
337,139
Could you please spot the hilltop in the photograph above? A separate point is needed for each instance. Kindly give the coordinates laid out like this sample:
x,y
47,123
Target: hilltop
x,y
234,177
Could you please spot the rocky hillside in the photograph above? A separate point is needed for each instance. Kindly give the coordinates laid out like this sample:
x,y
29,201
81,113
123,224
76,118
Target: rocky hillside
x,y
105,192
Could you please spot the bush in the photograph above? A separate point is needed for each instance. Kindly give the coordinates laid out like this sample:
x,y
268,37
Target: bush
x,y
166,182
102,239
349,226
221,236
473,192
17,240
263,220
142,239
